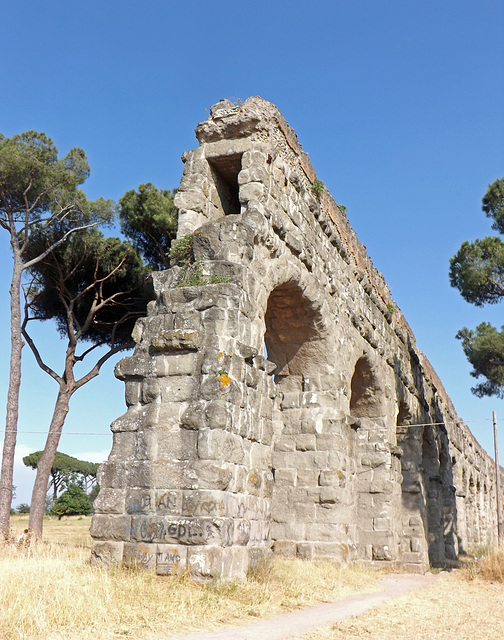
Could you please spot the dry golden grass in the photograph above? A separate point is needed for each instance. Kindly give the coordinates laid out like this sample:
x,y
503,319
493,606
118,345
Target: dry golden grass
x,y
72,530
464,604
50,592
487,564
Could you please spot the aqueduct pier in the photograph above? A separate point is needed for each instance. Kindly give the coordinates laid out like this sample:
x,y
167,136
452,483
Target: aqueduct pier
x,y
280,402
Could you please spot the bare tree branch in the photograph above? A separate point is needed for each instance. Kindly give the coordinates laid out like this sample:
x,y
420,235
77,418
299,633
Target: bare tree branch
x,y
36,260
34,349
92,373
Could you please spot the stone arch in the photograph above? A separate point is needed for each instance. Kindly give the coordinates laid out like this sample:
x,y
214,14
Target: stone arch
x,y
291,336
448,499
306,512
366,393
206,422
434,494
403,415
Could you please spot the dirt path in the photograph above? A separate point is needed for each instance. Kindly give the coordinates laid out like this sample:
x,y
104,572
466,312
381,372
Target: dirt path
x,y
287,625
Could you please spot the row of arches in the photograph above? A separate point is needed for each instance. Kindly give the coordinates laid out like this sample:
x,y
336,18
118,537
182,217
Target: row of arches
x,y
421,485
297,341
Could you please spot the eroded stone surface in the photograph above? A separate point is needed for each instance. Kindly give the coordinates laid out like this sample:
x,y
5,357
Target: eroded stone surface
x,y
285,408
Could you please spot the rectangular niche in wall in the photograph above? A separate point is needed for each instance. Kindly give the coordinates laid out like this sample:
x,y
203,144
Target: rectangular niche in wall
x,y
225,170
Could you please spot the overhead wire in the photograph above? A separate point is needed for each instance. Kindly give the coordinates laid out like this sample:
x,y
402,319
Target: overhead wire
x,y
93,433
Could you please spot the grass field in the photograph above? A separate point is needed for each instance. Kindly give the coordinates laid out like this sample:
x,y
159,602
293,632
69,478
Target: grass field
x,y
51,592
72,531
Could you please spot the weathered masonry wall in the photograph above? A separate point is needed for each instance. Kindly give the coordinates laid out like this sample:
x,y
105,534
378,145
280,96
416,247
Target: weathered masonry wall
x,y
286,407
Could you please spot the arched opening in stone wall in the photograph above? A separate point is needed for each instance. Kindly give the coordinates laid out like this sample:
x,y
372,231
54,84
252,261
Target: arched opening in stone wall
x,y
379,473
295,342
291,339
366,399
440,496
449,507
403,415
224,171
433,494
473,514
413,494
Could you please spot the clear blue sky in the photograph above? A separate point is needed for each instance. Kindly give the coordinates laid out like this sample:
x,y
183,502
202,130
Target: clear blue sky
x,y
400,105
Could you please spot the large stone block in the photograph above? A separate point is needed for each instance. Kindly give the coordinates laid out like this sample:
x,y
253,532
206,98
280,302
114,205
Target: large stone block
x,y
286,548
138,474
132,420
133,392
175,340
169,415
335,513
175,364
194,415
107,554
215,444
170,474
178,388
171,559
285,477
141,501
206,503
307,478
260,456
140,555
306,442
202,474
110,501
252,191
111,527
205,561
134,367
217,410
188,531
111,475
176,445
239,478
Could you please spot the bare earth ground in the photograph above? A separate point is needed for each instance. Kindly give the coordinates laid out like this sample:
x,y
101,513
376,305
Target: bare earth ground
x,y
447,606
451,608
286,625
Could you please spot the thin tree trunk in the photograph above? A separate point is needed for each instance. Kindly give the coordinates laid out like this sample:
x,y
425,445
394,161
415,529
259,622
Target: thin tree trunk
x,y
46,462
9,448
55,489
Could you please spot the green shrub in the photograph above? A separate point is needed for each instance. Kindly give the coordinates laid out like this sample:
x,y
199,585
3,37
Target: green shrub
x,y
181,252
191,276
72,502
23,508
317,188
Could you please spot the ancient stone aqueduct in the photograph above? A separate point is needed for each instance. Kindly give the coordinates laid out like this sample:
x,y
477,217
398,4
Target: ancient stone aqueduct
x,y
286,407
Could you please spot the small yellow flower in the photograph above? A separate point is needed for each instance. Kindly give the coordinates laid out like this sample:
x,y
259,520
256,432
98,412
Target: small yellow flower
x,y
224,379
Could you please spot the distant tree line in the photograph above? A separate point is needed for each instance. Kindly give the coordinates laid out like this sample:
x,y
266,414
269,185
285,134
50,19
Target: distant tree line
x,y
72,488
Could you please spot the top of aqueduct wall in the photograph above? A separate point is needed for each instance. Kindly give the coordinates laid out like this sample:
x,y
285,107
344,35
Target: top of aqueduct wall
x,y
258,119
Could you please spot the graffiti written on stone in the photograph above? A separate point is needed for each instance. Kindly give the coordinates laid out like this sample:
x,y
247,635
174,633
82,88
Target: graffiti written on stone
x,y
167,504
184,531
145,557
144,504
210,507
